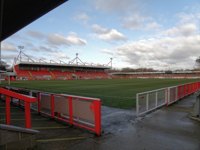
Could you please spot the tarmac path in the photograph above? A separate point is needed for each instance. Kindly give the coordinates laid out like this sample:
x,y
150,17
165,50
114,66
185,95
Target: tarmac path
x,y
168,128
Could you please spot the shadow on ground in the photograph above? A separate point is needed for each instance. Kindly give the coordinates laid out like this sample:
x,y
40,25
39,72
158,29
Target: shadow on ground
x,y
168,128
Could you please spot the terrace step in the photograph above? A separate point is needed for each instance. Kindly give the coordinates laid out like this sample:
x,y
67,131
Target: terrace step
x,y
52,134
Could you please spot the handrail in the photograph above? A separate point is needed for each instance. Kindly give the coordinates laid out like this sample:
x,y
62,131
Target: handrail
x,y
171,95
27,100
48,104
95,107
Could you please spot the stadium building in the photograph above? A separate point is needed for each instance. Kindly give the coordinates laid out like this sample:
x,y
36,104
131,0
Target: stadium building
x,y
26,68
160,75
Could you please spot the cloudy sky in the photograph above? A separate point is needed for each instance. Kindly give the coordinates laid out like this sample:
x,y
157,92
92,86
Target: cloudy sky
x,y
161,34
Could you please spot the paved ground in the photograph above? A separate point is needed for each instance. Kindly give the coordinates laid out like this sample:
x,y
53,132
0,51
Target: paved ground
x,y
169,128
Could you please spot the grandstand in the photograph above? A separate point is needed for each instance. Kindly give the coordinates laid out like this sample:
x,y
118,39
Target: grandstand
x,y
29,69
159,74
26,68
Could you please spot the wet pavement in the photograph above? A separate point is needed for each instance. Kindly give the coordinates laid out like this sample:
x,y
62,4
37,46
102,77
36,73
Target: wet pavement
x,y
168,128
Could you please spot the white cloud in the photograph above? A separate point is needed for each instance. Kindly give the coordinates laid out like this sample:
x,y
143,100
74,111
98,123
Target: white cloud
x,y
140,22
189,17
8,58
107,34
83,17
134,22
182,30
98,29
49,46
36,34
107,51
113,34
177,49
130,12
46,49
71,39
59,56
119,6
152,26
57,39
6,46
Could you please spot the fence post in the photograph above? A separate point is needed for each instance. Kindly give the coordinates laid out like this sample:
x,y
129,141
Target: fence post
x,y
185,90
8,110
52,106
137,104
168,96
156,99
97,115
147,102
27,115
70,110
176,94
38,99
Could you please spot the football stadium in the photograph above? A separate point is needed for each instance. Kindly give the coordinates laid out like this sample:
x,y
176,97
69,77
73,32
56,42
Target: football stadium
x,y
79,105
115,89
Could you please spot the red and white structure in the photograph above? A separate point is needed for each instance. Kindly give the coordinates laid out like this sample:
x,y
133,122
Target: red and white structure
x,y
83,112
151,100
28,69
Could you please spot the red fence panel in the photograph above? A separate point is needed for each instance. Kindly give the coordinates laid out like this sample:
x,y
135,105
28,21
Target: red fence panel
x,y
83,112
20,97
148,101
182,91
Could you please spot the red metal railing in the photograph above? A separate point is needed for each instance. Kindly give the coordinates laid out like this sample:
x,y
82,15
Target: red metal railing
x,y
93,108
151,100
181,91
83,112
27,101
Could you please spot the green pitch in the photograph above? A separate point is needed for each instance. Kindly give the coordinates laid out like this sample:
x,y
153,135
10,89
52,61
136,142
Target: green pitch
x,y
113,92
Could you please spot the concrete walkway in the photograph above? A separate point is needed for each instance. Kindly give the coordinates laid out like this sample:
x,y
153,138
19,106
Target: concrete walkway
x,y
168,128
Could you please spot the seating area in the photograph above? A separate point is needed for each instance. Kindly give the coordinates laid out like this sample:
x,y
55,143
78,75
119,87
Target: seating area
x,y
56,74
175,76
40,75
61,75
91,75
23,75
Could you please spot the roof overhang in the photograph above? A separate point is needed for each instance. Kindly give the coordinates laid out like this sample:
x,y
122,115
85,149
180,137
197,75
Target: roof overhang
x,y
62,65
16,14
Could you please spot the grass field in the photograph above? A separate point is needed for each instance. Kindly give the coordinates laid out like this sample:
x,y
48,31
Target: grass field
x,y
113,92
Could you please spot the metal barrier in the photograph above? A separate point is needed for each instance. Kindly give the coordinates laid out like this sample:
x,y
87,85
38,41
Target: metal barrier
x,y
196,110
151,100
27,102
79,111
172,95
177,92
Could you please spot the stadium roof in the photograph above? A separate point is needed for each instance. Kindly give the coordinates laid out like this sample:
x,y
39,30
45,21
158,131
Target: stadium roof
x,y
137,73
16,14
158,72
63,65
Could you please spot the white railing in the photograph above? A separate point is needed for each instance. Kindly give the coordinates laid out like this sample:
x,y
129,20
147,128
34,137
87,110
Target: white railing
x,y
151,100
